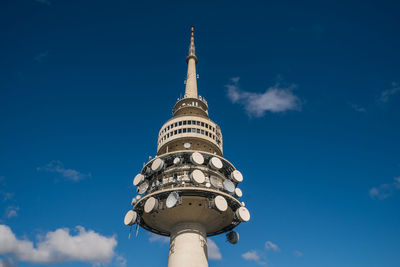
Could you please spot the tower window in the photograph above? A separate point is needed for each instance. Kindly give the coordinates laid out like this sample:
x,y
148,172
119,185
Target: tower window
x,y
184,130
197,122
194,122
202,131
198,130
189,130
172,126
206,125
193,130
189,122
175,131
176,124
180,131
180,123
202,124
184,122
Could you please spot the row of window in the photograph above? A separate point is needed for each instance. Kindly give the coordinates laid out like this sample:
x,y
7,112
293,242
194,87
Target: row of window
x,y
188,130
180,123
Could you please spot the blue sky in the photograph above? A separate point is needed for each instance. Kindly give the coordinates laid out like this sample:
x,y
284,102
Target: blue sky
x,y
307,95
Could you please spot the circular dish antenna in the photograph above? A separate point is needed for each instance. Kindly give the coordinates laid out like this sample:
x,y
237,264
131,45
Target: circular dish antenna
x,y
186,145
138,197
232,237
197,158
177,161
147,170
172,199
208,185
220,203
198,176
150,205
157,165
216,163
229,186
142,188
237,176
130,218
238,192
242,214
216,182
138,179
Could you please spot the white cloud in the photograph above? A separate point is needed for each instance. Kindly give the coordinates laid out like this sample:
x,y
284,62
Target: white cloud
x,y
298,253
121,261
213,250
69,174
158,238
253,256
7,263
385,95
12,211
59,246
357,108
274,99
271,246
385,190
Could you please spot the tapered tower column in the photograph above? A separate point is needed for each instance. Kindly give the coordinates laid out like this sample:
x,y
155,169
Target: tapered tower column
x,y
188,247
191,78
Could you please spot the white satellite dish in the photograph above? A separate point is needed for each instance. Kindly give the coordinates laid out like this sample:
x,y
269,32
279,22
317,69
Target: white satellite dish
x,y
208,185
177,161
186,145
216,163
142,188
157,165
130,218
242,214
172,199
238,192
229,186
197,176
232,237
216,182
220,203
237,176
138,179
197,158
138,197
150,205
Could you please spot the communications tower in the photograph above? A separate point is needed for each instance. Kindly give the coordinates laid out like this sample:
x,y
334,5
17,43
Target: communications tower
x,y
189,190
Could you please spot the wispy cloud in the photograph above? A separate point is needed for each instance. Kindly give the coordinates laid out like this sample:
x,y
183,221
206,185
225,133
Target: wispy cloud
x,y
297,253
59,246
213,250
357,108
385,95
158,238
57,166
271,246
12,211
254,255
385,190
41,56
6,262
275,99
45,2
120,261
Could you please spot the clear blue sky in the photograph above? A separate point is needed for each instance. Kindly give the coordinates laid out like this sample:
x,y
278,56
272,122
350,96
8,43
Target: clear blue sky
x,y
86,85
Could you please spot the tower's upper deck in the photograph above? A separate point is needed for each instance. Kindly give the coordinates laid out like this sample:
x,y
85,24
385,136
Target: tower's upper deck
x,y
190,127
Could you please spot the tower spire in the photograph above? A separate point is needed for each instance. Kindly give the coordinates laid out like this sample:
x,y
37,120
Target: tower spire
x,y
191,78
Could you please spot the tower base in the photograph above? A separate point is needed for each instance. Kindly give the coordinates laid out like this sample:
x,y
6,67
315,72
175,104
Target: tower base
x,y
188,246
